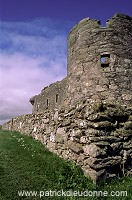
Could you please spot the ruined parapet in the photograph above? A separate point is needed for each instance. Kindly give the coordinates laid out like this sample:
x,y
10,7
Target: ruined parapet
x,y
50,98
100,60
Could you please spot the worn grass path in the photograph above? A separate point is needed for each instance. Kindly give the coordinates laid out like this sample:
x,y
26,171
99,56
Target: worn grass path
x,y
27,166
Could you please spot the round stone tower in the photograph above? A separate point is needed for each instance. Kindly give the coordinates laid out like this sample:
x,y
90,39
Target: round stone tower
x,y
100,60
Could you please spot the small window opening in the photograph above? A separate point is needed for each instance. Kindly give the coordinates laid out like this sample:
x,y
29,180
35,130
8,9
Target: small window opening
x,y
47,102
102,59
56,98
37,108
105,60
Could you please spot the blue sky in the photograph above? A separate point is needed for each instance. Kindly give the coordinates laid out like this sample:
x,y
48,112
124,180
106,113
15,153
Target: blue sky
x,y
33,44
24,10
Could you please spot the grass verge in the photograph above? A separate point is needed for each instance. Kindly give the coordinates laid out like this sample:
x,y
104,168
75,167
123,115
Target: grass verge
x,y
28,168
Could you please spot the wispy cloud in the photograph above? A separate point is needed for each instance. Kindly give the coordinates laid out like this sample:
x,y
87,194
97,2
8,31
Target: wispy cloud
x,y
32,55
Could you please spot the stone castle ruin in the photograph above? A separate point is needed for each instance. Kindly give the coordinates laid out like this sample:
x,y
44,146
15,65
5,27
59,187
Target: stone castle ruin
x,y
99,65
87,117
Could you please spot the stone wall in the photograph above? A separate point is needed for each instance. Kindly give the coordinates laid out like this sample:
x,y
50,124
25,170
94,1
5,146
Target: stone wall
x,y
96,135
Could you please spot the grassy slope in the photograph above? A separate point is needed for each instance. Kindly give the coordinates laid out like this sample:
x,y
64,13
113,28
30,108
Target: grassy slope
x,y
25,164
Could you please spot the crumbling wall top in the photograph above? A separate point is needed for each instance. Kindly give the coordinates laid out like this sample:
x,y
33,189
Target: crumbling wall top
x,y
86,23
89,24
119,20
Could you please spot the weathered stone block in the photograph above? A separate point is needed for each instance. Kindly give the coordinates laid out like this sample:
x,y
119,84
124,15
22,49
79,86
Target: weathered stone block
x,y
102,144
51,145
82,124
76,133
56,115
93,150
95,175
128,125
99,117
84,140
103,125
116,146
122,132
95,163
76,147
61,135
127,145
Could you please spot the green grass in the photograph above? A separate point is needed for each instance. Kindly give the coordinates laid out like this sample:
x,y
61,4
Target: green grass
x,y
26,165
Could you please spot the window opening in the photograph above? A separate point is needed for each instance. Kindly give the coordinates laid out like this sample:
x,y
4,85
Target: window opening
x,y
37,107
105,60
47,102
56,98
102,59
